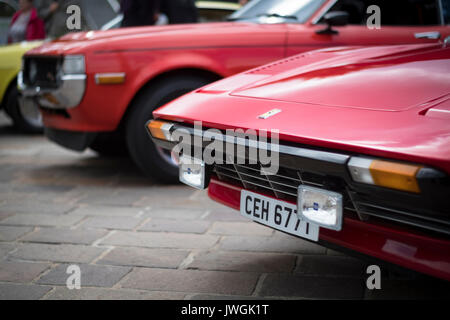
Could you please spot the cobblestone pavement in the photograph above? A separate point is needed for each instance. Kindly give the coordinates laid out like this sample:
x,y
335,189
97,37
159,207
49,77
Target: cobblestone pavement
x,y
134,239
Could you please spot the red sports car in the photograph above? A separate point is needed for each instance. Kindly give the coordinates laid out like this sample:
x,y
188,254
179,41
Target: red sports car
x,y
358,141
97,89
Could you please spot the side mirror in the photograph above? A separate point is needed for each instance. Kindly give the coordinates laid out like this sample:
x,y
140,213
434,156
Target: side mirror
x,y
334,19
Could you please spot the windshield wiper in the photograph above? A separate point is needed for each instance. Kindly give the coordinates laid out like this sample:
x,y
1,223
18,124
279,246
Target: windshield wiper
x,y
276,15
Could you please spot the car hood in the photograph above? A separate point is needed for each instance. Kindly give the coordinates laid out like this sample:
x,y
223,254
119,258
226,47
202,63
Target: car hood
x,y
11,55
385,78
19,48
125,32
385,122
144,38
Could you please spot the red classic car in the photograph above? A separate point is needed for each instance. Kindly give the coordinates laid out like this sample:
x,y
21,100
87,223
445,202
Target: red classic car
x,y
363,158
97,89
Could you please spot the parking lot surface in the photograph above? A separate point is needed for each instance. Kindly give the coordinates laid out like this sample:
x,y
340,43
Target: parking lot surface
x,y
135,239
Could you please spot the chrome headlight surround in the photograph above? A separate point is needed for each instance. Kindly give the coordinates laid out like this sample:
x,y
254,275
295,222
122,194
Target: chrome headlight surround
x,y
71,74
74,64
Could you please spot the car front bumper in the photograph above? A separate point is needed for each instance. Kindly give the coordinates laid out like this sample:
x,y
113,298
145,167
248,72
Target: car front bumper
x,y
67,95
418,252
404,228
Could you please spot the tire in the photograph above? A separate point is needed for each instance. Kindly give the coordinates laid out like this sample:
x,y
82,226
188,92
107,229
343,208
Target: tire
x,y
143,151
26,118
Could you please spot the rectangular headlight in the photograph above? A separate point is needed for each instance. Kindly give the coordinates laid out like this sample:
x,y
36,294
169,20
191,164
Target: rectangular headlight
x,y
193,172
74,64
388,174
321,207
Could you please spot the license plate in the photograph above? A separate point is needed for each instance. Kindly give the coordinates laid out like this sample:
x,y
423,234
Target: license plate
x,y
277,214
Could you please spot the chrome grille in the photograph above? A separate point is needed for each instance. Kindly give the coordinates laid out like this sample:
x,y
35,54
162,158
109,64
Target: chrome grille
x,y
439,224
41,71
285,183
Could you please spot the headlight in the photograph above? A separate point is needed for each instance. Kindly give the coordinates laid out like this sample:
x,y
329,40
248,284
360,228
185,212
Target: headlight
x,y
74,64
193,172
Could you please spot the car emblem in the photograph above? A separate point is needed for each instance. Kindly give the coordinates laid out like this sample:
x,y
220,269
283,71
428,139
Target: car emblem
x,y
269,114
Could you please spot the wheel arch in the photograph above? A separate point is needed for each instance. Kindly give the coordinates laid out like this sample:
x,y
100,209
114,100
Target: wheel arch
x,y
204,73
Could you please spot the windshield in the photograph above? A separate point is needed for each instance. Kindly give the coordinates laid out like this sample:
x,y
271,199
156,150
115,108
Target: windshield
x,y
301,9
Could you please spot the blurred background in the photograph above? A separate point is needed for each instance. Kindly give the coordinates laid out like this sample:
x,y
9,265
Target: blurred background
x,y
95,15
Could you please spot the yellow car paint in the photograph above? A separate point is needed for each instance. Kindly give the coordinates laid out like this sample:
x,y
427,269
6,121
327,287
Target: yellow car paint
x,y
11,62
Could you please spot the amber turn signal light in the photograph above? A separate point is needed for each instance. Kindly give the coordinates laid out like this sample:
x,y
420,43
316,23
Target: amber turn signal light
x,y
383,173
395,175
160,129
110,78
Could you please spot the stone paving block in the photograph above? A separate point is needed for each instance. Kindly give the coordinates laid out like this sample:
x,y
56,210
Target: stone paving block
x,y
44,220
11,197
166,196
184,204
225,214
35,207
115,197
143,257
7,172
117,223
9,233
194,281
182,226
285,285
331,265
22,292
4,215
271,244
91,275
160,240
5,248
201,199
19,151
175,213
39,188
14,271
57,253
240,228
62,293
106,211
244,261
68,198
65,235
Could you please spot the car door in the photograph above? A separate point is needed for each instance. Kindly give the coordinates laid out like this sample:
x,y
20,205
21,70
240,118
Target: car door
x,y
402,21
7,10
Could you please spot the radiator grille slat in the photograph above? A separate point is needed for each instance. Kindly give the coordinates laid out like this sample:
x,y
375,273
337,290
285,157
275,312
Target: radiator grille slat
x,y
285,183
422,221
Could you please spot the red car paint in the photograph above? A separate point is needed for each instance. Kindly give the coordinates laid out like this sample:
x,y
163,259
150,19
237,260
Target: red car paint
x,y
414,251
372,101
221,49
389,102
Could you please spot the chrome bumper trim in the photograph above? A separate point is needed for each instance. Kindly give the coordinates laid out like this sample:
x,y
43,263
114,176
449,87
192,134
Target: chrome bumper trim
x,y
68,95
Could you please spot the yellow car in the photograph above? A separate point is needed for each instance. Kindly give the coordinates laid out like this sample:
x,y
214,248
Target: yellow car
x,y
26,116
24,113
